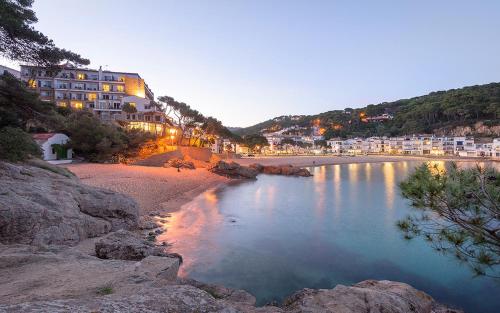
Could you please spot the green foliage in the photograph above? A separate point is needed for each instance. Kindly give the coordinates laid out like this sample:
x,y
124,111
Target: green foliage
x,y
105,290
16,145
128,108
458,213
97,141
192,123
20,107
254,142
20,41
424,114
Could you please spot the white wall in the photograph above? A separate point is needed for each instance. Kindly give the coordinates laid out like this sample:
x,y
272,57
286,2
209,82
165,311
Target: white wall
x,y
60,139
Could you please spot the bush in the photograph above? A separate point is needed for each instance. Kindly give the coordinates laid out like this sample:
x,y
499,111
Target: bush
x,y
16,145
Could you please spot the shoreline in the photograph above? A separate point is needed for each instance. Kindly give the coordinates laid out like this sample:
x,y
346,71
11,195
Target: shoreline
x,y
159,189
311,161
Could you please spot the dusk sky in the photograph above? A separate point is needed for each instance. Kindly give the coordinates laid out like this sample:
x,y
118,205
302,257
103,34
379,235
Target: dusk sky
x,y
247,61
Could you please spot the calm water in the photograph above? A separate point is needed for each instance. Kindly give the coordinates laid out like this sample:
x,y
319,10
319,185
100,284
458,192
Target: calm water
x,y
276,235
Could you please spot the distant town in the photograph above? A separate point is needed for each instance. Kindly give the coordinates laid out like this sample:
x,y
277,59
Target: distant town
x,y
126,99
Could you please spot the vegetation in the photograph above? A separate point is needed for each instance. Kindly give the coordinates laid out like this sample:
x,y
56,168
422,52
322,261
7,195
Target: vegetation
x,y
194,127
99,142
16,145
254,142
105,290
459,213
21,42
424,114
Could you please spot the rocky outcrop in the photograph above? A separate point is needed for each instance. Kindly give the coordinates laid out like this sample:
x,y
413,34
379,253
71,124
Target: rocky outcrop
x,y
367,296
125,245
233,170
287,170
180,163
43,207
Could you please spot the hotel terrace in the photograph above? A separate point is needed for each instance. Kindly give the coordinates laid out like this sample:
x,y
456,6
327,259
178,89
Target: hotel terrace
x,y
103,92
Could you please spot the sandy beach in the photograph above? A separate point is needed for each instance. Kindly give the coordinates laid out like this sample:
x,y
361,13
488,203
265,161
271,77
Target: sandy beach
x,y
165,189
154,188
332,160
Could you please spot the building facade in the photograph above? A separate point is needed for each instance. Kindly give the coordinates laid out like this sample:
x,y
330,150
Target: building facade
x,y
103,92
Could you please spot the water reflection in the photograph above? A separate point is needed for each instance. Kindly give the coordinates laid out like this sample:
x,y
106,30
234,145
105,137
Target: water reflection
x,y
389,175
279,234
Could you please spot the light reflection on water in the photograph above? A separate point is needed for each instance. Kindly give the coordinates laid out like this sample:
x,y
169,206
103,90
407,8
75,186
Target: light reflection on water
x,y
279,234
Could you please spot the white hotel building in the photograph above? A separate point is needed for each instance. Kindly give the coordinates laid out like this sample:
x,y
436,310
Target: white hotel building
x,y
101,91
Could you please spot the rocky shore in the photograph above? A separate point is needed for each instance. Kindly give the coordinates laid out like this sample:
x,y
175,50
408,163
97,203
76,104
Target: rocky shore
x,y
69,247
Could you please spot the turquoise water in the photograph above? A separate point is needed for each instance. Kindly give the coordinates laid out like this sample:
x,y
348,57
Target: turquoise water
x,y
277,234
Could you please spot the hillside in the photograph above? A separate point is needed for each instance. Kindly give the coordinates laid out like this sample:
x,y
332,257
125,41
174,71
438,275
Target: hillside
x,y
438,112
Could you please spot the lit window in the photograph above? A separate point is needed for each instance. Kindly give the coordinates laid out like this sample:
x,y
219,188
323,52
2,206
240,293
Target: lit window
x,y
105,87
62,104
120,88
92,96
132,104
32,83
80,76
77,105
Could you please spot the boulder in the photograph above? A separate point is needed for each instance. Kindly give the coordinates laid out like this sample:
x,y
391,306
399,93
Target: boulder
x,y
125,245
287,170
180,163
42,207
367,296
233,170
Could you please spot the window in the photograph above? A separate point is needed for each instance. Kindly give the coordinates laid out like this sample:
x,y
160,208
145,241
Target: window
x,y
92,96
105,87
120,88
80,76
62,104
32,83
77,105
116,105
105,97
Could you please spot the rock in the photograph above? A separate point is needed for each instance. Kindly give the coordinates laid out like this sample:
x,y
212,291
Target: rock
x,y
180,163
30,274
233,170
287,170
42,207
125,245
367,296
170,298
221,292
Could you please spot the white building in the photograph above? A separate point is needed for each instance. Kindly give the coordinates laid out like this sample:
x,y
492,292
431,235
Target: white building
x,y
5,69
103,92
53,146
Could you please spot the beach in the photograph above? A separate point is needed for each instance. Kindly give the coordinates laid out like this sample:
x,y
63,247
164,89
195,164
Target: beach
x,y
154,188
166,189
303,161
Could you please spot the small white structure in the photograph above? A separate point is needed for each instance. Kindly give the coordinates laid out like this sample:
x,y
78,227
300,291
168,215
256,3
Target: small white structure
x,y
53,149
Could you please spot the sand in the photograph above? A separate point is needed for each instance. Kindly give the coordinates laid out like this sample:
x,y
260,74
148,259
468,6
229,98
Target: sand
x,y
331,160
166,190
154,188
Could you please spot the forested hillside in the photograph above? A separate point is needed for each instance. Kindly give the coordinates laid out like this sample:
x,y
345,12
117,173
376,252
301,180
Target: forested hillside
x,y
441,110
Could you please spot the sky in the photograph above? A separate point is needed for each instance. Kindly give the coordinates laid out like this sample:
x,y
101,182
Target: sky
x,y
244,62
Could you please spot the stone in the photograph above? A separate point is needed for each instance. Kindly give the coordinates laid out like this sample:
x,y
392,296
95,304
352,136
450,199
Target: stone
x,y
43,207
287,170
125,245
233,170
180,163
367,296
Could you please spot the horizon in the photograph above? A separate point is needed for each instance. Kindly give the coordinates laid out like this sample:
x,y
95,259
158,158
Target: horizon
x,y
284,58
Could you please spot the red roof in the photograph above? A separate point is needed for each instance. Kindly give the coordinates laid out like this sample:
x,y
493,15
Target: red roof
x,y
43,136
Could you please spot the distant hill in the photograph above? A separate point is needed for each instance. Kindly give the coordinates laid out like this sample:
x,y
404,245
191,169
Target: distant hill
x,y
437,112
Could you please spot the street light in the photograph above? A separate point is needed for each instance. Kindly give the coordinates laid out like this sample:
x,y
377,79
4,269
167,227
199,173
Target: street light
x,y
172,135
